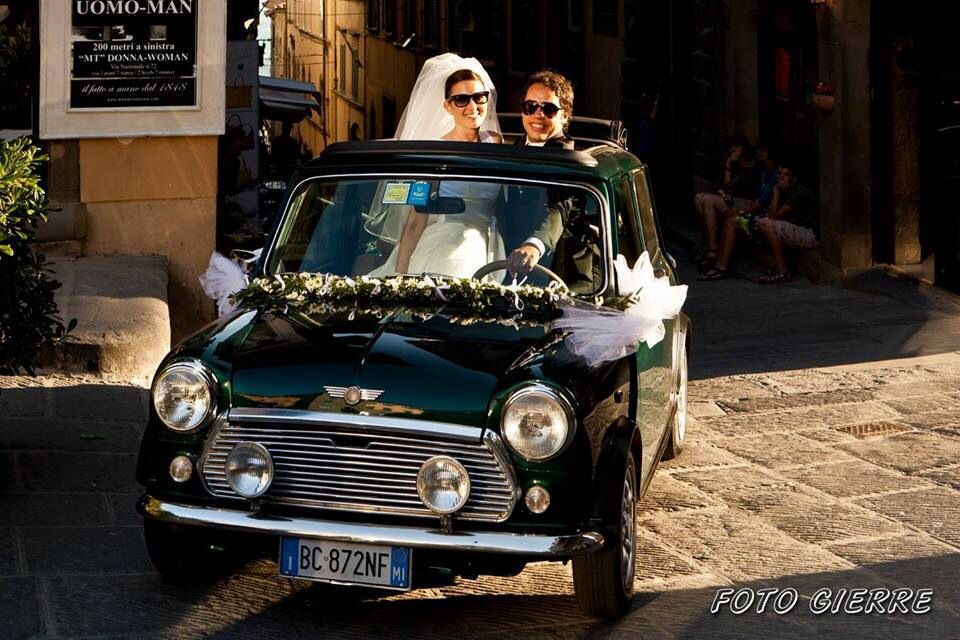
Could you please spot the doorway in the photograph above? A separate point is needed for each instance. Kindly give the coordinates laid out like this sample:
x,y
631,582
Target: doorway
x,y
788,70
915,136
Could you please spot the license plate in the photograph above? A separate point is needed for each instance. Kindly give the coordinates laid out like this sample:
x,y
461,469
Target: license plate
x,y
348,563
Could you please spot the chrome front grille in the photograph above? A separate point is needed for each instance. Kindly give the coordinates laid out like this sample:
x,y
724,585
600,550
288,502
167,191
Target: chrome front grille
x,y
347,462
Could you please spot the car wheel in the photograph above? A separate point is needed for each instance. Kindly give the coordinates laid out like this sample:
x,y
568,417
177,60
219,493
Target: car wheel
x,y
182,554
678,426
603,581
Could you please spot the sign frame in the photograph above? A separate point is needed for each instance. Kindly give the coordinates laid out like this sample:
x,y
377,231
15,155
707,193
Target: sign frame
x,y
59,121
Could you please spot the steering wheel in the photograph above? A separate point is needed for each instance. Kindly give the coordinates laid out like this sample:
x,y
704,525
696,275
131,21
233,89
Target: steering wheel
x,y
501,265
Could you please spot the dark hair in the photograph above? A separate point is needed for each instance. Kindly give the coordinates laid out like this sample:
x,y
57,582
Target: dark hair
x,y
559,85
792,164
460,76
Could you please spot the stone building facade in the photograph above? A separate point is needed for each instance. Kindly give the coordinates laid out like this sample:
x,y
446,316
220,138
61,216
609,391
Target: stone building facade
x,y
869,148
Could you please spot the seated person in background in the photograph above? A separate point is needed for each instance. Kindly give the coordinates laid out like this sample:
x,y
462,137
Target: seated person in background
x,y
788,222
740,185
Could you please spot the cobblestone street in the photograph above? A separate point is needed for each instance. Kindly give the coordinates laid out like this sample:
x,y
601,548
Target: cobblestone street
x,y
838,477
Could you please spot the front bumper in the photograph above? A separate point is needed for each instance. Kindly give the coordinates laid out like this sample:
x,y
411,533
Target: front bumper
x,y
478,541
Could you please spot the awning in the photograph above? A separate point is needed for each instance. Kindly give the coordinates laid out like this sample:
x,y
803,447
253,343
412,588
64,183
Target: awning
x,y
287,100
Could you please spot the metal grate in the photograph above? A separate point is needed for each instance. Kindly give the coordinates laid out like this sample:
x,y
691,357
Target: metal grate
x,y
874,429
346,469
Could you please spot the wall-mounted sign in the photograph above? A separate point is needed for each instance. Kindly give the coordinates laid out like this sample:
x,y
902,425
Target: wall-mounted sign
x,y
133,54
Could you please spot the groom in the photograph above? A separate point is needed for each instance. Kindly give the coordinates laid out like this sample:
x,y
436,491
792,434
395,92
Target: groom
x,y
546,110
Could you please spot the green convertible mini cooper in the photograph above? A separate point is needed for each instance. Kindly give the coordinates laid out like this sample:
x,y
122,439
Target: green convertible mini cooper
x,y
390,407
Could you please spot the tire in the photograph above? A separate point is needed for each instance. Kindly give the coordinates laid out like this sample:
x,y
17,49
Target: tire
x,y
678,425
603,581
185,554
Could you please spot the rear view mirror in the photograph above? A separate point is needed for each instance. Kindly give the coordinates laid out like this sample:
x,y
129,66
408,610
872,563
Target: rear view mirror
x,y
442,205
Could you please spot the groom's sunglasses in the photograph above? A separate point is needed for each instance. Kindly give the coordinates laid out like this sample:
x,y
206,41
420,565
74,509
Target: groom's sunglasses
x,y
463,99
530,107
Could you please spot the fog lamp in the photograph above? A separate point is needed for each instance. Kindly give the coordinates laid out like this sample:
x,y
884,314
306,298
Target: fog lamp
x,y
249,469
537,500
181,468
443,485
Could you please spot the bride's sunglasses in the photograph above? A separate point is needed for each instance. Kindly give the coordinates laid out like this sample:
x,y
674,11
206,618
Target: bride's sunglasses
x,y
530,107
463,99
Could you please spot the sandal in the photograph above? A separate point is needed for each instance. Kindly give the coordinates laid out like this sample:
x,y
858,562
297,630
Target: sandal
x,y
776,277
713,274
707,261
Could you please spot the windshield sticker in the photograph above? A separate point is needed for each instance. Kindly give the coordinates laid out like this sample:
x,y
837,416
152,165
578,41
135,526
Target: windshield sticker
x,y
396,193
419,193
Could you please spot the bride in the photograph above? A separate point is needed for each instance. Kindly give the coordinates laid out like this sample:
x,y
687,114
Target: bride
x,y
453,99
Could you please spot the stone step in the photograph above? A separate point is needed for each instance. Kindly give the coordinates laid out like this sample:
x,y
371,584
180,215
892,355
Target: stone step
x,y
123,320
56,249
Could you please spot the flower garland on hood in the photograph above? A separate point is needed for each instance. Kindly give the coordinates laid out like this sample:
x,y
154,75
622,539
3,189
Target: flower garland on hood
x,y
601,331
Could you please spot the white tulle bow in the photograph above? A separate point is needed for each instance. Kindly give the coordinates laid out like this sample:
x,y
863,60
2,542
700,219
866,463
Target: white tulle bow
x,y
223,278
599,334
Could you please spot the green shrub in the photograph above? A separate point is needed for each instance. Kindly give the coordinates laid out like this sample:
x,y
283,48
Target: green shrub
x,y
28,311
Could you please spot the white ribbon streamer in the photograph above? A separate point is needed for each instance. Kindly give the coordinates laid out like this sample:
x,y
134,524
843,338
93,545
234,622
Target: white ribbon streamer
x,y
599,334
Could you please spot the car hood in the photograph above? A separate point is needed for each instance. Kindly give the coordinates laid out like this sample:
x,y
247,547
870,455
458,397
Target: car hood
x,y
431,368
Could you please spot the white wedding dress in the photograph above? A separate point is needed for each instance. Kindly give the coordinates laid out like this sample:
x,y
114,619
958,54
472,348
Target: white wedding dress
x,y
457,244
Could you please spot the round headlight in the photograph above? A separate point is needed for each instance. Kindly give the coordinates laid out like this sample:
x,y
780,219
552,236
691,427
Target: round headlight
x,y
443,485
184,396
536,422
249,469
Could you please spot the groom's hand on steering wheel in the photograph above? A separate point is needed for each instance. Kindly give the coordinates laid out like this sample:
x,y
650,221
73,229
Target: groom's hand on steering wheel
x,y
522,259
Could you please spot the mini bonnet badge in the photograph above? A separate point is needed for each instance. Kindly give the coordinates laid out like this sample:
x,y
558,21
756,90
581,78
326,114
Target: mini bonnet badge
x,y
353,395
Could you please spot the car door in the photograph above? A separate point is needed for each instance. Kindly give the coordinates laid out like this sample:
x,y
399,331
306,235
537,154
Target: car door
x,y
653,364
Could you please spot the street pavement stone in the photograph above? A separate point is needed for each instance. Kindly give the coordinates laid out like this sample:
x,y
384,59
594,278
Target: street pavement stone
x,y
95,472
32,508
942,403
907,452
792,401
739,547
20,608
80,403
78,550
669,495
700,454
946,476
8,552
777,451
25,403
798,419
66,435
935,511
855,478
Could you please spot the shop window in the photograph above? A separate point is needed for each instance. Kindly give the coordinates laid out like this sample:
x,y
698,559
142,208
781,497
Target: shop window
x,y
431,24
355,78
373,16
20,64
605,17
389,17
410,26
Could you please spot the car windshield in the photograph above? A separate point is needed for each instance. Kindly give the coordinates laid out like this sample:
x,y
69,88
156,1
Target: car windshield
x,y
384,226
